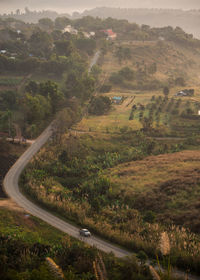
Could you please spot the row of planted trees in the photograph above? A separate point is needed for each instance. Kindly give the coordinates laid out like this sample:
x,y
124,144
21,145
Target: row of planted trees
x,y
163,111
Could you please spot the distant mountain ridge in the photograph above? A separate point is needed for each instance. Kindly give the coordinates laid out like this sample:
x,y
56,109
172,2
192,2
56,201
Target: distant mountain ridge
x,y
187,20
80,4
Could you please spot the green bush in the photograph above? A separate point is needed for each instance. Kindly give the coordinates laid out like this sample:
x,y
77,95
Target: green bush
x,y
105,88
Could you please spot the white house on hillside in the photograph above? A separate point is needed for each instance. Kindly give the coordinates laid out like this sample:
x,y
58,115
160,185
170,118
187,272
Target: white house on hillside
x,y
70,29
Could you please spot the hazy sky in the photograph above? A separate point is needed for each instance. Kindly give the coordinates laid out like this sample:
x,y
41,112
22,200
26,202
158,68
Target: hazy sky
x,y
72,5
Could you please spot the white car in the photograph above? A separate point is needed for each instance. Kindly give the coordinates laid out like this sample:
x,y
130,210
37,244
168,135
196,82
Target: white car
x,y
84,232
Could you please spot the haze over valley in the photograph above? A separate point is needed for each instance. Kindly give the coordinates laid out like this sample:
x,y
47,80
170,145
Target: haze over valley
x,y
99,140
155,13
69,5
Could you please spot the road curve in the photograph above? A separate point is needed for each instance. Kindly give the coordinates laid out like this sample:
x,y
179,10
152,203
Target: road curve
x,y
11,187
94,60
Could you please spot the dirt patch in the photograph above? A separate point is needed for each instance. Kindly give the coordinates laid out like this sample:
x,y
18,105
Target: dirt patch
x,y
11,205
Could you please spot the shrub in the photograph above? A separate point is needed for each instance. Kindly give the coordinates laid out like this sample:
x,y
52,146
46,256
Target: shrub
x,y
100,105
116,78
105,88
127,73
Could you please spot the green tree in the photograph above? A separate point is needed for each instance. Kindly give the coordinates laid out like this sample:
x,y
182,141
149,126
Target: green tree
x,y
50,90
100,105
127,73
80,86
166,91
32,87
36,108
105,88
147,124
63,47
85,44
31,131
53,67
116,78
96,71
180,81
8,99
149,217
57,35
64,121
46,24
123,53
41,273
28,65
61,22
152,69
40,43
6,121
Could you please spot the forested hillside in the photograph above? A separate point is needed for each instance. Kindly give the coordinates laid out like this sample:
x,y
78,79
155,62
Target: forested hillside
x,y
41,70
188,20
119,135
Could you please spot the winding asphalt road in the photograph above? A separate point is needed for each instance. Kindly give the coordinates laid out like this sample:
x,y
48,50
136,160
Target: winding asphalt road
x,y
12,189
94,60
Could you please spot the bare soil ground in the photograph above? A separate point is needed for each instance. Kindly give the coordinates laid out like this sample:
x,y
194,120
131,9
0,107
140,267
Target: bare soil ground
x,y
10,204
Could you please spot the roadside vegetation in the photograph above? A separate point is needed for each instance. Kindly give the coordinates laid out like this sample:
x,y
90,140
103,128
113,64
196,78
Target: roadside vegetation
x,y
26,243
120,133
79,184
9,152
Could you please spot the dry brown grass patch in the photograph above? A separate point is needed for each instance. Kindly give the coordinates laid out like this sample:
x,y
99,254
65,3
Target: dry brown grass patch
x,y
11,205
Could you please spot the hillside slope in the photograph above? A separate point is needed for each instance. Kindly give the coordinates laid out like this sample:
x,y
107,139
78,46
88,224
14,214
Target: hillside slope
x,y
168,185
188,20
171,61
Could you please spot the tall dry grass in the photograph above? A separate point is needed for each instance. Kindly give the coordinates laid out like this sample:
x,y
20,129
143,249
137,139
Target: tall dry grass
x,y
164,244
99,268
154,273
55,269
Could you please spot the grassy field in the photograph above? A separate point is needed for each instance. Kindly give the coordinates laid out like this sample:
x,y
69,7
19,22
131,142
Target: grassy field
x,y
118,117
171,114
19,225
167,184
113,122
